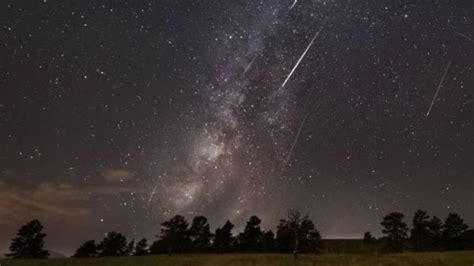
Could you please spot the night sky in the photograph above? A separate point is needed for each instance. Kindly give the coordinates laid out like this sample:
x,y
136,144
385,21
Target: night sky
x,y
117,115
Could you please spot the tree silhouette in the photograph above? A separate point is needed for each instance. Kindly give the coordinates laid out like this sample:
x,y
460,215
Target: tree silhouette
x,y
141,248
174,237
268,242
87,250
200,234
453,228
28,242
435,227
113,245
420,234
284,237
130,247
369,239
159,247
297,234
224,241
310,238
396,231
294,223
250,240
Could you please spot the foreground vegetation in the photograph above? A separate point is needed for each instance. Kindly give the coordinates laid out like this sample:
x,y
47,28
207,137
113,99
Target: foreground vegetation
x,y
295,234
435,258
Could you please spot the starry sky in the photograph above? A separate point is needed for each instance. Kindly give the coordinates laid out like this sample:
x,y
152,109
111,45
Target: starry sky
x,y
117,115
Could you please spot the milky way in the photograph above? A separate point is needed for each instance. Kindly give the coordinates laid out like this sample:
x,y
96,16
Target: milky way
x,y
117,115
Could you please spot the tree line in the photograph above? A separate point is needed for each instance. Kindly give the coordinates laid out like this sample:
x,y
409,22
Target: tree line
x,y
427,233
295,234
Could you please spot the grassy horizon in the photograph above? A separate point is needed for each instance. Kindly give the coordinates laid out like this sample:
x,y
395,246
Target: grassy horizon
x,y
402,259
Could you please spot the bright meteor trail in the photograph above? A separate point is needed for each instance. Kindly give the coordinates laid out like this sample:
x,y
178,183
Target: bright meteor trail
x,y
437,90
302,56
293,5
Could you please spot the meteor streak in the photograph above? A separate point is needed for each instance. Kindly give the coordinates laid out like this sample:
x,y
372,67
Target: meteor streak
x,y
437,90
293,5
249,65
152,194
302,56
296,139
464,36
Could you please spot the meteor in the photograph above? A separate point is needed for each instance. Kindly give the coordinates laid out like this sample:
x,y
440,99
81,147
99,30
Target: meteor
x,y
249,65
464,36
295,141
152,194
302,56
437,90
293,5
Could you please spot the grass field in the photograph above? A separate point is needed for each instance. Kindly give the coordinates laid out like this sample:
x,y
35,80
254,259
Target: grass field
x,y
438,259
